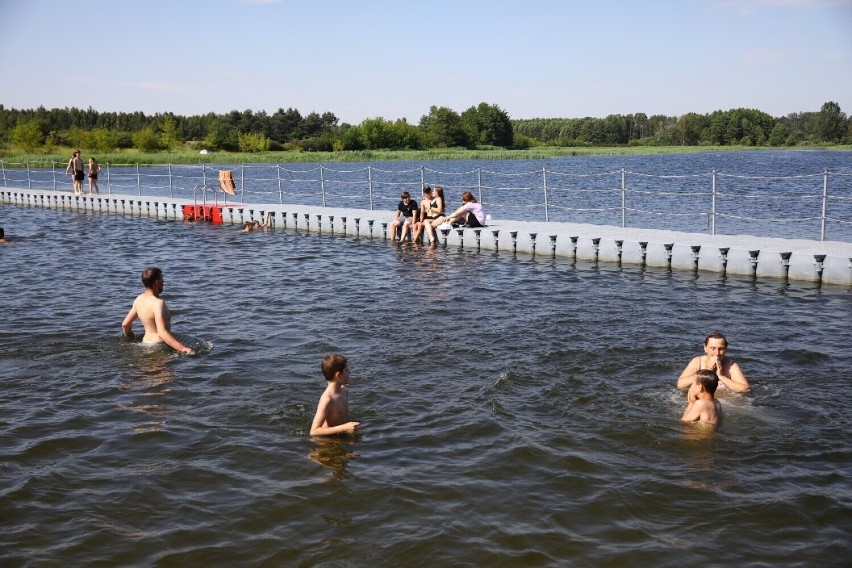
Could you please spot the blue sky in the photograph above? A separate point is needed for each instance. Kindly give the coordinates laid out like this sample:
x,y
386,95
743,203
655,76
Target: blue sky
x,y
394,59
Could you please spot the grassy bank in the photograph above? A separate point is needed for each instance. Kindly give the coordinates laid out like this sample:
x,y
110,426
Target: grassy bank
x,y
61,157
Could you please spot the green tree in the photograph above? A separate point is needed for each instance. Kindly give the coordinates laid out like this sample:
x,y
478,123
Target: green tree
x,y
146,140
169,135
779,135
489,125
253,142
218,135
831,122
28,135
443,127
103,140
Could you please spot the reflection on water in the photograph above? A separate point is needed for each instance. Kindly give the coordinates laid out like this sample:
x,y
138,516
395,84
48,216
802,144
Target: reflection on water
x,y
148,380
333,454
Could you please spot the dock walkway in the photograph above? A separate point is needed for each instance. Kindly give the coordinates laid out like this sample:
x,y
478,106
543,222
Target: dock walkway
x,y
794,259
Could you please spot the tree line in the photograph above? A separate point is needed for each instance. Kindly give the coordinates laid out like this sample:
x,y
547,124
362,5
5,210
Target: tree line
x,y
484,125
745,127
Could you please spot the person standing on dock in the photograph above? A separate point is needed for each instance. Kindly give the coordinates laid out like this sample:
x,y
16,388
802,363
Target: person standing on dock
x,y
94,168
75,167
155,316
730,375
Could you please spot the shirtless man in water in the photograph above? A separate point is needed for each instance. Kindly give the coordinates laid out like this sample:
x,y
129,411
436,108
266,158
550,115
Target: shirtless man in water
x,y
730,375
154,314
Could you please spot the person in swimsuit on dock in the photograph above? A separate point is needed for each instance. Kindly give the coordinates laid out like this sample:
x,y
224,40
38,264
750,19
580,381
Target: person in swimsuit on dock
x,y
75,164
435,214
155,316
730,375
94,168
332,415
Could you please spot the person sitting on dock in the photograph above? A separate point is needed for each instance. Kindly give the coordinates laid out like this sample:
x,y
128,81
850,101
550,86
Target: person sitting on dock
x,y
730,375
249,226
436,214
423,214
405,216
703,405
155,316
470,214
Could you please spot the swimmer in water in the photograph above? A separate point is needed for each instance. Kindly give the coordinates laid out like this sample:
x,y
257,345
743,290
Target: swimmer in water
x,y
249,226
332,415
703,406
730,375
154,314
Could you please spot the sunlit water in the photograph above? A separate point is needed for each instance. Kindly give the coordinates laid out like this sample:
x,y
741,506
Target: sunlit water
x,y
516,410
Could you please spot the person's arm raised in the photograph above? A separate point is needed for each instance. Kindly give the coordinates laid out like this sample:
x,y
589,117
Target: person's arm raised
x,y
735,379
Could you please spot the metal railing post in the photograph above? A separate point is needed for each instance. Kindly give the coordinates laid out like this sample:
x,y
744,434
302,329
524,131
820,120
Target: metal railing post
x,y
29,179
824,204
322,185
422,177
278,177
53,173
109,186
170,181
370,185
623,200
3,166
243,183
713,204
479,182
544,177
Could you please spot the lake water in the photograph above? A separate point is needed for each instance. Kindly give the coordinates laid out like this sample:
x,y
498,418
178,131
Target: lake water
x,y
516,411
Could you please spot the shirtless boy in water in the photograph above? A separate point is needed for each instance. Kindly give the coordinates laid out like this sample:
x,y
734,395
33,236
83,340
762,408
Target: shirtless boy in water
x,y
714,359
333,409
154,314
703,405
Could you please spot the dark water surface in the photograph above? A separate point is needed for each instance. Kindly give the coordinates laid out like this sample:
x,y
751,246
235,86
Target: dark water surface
x,y
515,411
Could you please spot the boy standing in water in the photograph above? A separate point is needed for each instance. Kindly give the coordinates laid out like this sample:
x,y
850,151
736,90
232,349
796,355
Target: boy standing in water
x,y
333,409
703,405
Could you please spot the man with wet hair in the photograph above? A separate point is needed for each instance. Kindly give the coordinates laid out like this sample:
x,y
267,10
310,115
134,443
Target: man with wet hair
x,y
152,311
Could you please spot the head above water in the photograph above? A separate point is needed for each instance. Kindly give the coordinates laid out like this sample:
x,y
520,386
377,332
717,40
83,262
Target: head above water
x,y
708,380
715,335
332,364
151,276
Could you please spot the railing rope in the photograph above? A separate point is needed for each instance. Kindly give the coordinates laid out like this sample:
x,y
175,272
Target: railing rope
x,y
569,195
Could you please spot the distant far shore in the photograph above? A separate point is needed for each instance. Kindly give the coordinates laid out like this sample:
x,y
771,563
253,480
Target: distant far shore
x,y
149,158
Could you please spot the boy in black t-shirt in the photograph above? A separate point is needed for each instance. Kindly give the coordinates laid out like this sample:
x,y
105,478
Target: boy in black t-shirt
x,y
405,216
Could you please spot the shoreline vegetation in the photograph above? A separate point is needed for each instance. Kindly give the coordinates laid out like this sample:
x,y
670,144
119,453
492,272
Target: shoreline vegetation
x,y
41,137
132,156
